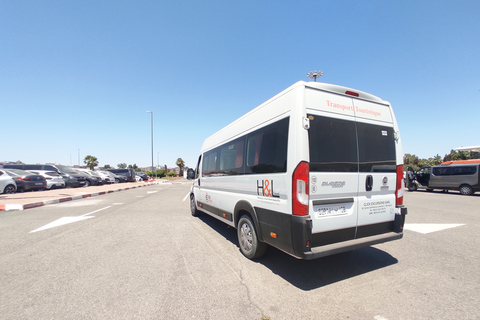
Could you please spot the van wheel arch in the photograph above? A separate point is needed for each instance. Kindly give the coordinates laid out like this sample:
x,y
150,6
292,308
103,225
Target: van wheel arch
x,y
245,208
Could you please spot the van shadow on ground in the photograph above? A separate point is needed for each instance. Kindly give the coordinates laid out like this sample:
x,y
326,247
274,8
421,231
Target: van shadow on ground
x,y
312,274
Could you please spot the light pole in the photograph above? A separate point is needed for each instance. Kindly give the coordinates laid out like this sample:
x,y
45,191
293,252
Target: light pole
x,y
315,74
151,112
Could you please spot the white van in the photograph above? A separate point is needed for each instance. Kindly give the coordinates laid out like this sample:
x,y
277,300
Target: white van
x,y
314,171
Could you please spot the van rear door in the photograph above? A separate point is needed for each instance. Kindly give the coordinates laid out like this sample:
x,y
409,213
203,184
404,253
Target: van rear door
x,y
352,167
377,168
333,167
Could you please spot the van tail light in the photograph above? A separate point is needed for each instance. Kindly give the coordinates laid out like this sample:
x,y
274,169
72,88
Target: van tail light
x,y
400,186
300,189
351,93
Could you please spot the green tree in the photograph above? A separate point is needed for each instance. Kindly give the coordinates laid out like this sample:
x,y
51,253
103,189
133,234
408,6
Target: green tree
x,y
181,164
91,162
122,166
411,161
433,161
107,166
160,173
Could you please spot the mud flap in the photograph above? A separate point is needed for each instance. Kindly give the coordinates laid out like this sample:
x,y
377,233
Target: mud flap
x,y
399,220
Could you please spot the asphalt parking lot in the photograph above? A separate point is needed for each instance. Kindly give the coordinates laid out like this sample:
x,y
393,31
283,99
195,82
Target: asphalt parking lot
x,y
34,199
140,254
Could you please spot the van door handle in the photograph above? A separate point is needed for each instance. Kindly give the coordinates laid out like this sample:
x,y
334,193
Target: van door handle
x,y
369,183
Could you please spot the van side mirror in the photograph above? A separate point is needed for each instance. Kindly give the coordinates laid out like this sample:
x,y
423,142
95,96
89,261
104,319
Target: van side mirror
x,y
190,174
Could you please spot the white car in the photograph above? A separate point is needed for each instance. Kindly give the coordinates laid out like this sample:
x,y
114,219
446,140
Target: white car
x,y
54,179
7,184
107,175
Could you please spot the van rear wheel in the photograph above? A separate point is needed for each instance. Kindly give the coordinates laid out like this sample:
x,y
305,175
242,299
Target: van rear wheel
x,y
250,246
465,189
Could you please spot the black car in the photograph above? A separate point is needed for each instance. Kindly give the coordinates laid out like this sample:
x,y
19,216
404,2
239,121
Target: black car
x,y
119,178
142,175
127,173
89,179
26,180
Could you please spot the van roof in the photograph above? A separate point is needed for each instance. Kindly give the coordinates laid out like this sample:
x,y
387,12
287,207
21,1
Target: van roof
x,y
342,90
471,161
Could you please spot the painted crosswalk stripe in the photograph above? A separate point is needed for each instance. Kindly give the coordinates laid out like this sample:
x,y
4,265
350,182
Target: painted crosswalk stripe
x,y
425,228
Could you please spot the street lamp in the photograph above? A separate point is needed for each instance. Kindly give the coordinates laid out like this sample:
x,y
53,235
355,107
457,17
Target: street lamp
x,y
315,74
151,112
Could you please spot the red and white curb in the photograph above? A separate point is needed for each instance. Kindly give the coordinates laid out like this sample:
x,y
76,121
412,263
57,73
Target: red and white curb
x,y
20,207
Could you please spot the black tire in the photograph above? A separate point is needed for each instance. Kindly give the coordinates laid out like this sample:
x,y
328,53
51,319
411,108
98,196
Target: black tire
x,y
466,190
248,241
193,207
412,187
9,189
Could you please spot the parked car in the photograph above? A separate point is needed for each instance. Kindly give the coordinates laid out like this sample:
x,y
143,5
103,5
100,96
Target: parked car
x,y
120,178
102,180
91,180
71,177
143,176
53,178
7,184
127,173
107,176
26,180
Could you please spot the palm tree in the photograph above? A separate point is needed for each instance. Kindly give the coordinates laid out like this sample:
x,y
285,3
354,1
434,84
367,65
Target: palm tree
x,y
181,164
91,162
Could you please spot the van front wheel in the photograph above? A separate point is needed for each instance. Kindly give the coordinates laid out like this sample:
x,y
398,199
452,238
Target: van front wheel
x,y
465,189
250,246
193,207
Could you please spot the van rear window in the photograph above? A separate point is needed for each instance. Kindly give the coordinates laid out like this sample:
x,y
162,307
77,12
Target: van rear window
x,y
338,145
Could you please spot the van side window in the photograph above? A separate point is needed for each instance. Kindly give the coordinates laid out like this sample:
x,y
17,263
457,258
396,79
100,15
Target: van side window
x,y
231,157
442,171
457,171
266,150
332,144
464,170
210,163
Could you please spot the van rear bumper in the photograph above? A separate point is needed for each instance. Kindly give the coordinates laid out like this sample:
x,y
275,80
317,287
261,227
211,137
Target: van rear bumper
x,y
334,248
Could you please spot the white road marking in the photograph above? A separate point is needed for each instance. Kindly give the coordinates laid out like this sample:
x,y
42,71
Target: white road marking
x,y
188,194
425,228
66,220
152,191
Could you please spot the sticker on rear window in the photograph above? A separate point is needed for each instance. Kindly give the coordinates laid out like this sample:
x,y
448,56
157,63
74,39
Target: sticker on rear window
x,y
384,133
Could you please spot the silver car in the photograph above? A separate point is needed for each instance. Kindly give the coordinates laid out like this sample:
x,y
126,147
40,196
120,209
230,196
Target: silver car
x,y
54,179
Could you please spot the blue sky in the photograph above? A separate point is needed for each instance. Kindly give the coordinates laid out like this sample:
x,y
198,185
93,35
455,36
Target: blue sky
x,y
77,77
